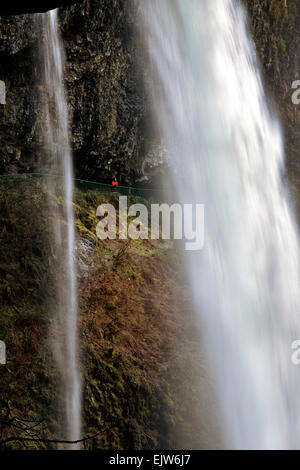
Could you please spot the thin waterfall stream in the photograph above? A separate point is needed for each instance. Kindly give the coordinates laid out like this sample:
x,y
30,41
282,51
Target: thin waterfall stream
x,y
227,152
58,151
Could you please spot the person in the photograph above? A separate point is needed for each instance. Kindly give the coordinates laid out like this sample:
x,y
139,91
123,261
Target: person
x,y
115,183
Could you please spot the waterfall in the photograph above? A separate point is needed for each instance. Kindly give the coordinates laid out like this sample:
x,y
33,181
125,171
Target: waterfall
x,y
226,150
59,160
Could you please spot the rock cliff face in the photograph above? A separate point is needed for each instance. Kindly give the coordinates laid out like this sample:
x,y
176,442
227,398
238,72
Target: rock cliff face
x,y
275,28
105,89
109,112
19,115
107,103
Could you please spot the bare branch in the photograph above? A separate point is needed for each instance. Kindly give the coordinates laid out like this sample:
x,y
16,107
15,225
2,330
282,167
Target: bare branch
x,y
51,441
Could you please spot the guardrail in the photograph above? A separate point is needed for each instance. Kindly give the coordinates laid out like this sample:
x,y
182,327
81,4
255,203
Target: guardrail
x,y
84,185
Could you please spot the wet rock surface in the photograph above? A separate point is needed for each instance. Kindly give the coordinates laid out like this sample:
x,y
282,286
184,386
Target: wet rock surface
x,y
110,121
109,112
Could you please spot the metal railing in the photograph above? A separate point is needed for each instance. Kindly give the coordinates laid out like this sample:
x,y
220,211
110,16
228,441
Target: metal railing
x,y
37,179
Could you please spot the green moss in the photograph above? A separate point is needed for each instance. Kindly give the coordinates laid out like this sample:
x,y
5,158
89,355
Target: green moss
x,y
123,337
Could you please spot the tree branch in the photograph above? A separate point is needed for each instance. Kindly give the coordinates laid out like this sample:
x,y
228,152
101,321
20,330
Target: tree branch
x,y
51,441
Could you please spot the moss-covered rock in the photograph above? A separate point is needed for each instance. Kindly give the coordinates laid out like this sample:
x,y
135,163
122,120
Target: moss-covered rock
x,y
129,328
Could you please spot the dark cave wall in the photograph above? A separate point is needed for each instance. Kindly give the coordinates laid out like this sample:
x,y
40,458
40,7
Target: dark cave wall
x,y
108,107
14,7
19,116
106,98
109,111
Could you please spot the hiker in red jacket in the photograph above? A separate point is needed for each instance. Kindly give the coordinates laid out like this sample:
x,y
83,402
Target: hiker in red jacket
x,y
115,183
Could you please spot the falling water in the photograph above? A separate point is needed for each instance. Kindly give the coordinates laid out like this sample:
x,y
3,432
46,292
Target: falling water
x,y
227,152
59,159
